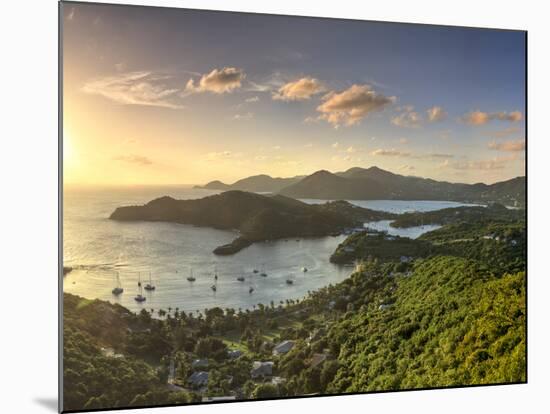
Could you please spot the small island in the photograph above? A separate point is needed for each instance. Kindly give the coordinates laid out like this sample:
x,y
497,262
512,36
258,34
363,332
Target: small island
x,y
255,217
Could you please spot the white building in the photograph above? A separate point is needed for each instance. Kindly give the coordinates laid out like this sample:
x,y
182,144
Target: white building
x,y
261,369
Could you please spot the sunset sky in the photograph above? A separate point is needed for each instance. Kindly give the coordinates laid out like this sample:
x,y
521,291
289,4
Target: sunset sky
x,y
168,96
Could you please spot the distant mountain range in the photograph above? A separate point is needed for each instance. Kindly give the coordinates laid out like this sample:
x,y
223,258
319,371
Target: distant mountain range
x,y
374,183
257,184
257,217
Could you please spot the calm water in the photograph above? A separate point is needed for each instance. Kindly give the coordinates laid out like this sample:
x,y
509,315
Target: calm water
x,y
98,249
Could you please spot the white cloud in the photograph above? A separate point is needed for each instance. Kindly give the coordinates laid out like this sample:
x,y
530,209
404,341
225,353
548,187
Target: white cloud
x,y
217,81
299,90
390,153
335,145
397,153
222,155
497,163
252,99
352,105
134,88
510,146
311,120
481,118
408,118
436,113
504,132
243,117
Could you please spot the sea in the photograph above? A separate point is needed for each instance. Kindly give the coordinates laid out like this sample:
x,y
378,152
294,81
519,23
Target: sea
x,y
100,251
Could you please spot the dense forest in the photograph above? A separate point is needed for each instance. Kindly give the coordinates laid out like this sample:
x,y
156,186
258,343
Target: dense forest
x,y
446,309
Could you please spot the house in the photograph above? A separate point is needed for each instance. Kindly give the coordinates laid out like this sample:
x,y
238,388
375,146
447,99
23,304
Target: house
x,y
218,399
199,363
261,369
234,353
283,347
198,379
317,360
278,380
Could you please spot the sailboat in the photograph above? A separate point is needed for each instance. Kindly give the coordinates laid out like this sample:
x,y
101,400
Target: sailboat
x,y
140,298
240,278
118,288
214,287
304,269
250,289
191,278
263,274
215,273
149,286
289,281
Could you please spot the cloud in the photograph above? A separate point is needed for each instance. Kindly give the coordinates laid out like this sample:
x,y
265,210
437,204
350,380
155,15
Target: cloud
x,y
269,83
252,99
243,117
308,145
408,118
350,106
481,118
439,155
218,81
134,159
222,155
497,163
403,140
311,120
134,88
351,150
407,167
510,146
504,132
299,90
436,113
335,145
390,153
397,153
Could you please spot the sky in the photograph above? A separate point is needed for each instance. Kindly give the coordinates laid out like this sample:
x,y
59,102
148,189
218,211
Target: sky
x,y
173,96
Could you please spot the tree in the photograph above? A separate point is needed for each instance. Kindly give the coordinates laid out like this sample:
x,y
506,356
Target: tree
x,y
265,391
